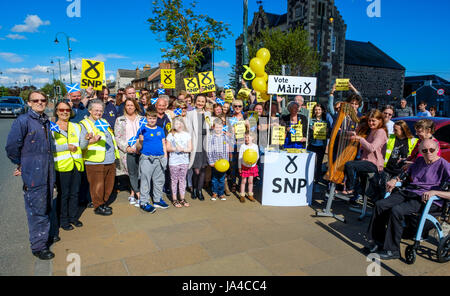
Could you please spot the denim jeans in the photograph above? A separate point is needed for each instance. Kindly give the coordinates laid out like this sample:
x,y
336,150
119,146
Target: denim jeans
x,y
218,182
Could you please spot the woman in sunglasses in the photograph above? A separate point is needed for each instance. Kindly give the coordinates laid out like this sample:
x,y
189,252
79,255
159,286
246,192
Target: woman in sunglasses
x,y
69,165
424,130
422,181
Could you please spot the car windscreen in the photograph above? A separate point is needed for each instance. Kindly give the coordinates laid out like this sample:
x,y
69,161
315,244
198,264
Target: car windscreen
x,y
443,134
10,101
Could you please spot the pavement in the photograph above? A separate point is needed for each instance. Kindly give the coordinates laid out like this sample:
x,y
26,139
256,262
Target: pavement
x,y
227,238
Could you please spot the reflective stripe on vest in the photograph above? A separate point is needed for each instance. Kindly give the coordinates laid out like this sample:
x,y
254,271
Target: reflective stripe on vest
x,y
390,146
64,160
96,152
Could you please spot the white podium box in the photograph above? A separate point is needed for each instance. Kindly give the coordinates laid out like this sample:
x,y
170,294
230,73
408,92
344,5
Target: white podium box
x,y
288,178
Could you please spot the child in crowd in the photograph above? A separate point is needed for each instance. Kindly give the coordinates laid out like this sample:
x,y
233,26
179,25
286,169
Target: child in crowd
x,y
153,160
219,147
246,170
179,146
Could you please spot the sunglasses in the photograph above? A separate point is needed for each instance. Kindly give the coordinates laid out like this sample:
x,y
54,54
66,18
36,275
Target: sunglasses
x,y
389,114
64,110
40,100
237,106
432,150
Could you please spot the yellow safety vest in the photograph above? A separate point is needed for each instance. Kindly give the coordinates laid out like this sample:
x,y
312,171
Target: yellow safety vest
x,y
64,160
390,146
96,152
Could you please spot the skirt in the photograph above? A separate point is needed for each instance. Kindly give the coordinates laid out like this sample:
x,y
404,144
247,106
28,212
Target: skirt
x,y
249,172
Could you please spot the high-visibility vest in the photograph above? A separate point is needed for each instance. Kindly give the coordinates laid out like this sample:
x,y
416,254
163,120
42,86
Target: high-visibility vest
x,y
65,160
96,152
390,146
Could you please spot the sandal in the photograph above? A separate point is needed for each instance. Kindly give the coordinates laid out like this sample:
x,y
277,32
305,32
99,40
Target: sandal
x,y
177,204
184,203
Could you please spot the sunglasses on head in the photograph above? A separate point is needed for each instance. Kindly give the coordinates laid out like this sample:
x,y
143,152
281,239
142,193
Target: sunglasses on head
x,y
432,150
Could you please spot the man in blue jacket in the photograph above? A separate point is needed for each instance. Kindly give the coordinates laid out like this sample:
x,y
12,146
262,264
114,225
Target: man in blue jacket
x,y
29,147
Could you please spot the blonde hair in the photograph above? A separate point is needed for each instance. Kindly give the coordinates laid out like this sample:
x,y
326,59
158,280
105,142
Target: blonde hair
x,y
174,123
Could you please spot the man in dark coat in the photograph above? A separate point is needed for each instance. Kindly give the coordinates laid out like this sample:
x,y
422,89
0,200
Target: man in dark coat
x,y
29,147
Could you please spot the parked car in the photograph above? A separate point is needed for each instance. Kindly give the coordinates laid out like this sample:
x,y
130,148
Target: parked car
x,y
12,106
442,133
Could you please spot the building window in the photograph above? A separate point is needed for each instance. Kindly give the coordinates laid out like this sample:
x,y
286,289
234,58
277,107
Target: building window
x,y
333,40
321,9
298,13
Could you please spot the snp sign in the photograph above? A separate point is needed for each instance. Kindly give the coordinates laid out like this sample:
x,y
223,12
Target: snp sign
x,y
92,74
288,179
292,85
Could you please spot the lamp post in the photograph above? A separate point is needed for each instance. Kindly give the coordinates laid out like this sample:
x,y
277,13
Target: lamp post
x,y
69,50
59,62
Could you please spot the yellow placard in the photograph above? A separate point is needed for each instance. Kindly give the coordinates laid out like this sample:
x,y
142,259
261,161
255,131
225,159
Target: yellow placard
x,y
252,114
342,84
320,131
92,74
206,80
168,78
239,129
298,135
293,150
278,135
229,95
310,106
191,85
243,94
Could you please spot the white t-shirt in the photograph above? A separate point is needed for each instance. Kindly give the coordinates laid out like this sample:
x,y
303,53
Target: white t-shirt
x,y
390,127
244,148
180,140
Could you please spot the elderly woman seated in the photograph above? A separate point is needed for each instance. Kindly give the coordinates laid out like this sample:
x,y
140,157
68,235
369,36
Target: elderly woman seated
x,y
422,181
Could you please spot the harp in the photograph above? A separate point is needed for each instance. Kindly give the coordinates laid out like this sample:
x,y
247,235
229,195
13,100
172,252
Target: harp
x,y
340,151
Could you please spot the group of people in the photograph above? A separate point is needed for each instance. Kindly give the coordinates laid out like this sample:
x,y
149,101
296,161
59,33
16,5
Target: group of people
x,y
170,144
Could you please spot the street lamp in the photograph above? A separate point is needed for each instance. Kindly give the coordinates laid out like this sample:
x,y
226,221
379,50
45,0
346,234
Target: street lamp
x,y
69,50
59,62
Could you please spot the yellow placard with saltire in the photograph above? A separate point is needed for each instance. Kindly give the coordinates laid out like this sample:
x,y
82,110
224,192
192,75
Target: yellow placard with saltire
x,y
191,85
207,82
278,135
229,95
92,74
310,106
296,132
243,94
342,84
320,131
168,78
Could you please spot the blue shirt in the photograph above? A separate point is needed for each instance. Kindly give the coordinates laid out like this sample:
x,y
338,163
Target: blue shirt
x,y
79,113
152,145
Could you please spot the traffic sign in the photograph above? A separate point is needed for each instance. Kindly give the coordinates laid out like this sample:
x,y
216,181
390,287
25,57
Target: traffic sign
x,y
440,91
389,92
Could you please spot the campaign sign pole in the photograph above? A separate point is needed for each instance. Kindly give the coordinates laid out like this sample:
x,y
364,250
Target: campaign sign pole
x,y
288,179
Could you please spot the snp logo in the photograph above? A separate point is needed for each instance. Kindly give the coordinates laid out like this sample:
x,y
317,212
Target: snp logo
x,y
374,8
74,8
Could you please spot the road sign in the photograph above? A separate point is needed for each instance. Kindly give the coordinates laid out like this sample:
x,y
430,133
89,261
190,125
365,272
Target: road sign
x,y
389,92
440,91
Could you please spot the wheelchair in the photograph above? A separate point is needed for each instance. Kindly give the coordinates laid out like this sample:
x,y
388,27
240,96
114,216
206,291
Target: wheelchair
x,y
430,221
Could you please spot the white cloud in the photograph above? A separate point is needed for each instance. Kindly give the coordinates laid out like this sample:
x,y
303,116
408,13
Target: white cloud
x,y
31,24
73,39
222,64
38,69
104,57
16,37
11,57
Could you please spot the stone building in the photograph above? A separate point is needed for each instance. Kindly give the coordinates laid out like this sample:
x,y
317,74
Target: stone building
x,y
326,28
376,75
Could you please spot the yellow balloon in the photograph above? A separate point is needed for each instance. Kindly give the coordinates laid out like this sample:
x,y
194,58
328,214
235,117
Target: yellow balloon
x,y
222,165
259,84
257,66
265,97
265,76
264,55
250,157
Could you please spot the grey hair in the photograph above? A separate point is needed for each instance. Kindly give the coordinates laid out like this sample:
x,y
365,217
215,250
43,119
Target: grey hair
x,y
435,144
95,101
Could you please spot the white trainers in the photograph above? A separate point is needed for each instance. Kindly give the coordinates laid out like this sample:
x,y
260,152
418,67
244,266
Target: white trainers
x,y
137,204
132,200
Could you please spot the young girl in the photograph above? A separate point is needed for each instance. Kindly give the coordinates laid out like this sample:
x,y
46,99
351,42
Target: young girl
x,y
179,146
318,143
247,171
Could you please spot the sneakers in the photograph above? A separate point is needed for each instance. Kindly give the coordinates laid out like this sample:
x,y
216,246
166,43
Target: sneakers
x,y
214,197
223,197
137,205
161,204
148,208
132,200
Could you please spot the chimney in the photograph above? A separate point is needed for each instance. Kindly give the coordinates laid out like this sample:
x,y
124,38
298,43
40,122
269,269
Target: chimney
x,y
164,65
138,74
428,83
147,67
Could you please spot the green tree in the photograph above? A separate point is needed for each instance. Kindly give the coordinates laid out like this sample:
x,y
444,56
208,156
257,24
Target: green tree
x,y
4,91
232,78
48,88
186,33
289,48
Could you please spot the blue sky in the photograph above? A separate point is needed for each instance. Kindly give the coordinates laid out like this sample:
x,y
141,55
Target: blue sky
x,y
116,31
